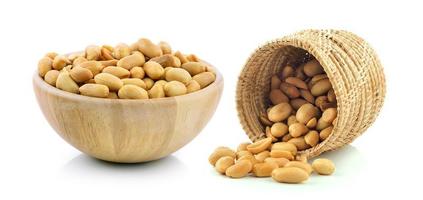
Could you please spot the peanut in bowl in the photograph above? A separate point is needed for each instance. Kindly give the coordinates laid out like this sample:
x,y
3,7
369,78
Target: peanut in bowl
x,y
125,130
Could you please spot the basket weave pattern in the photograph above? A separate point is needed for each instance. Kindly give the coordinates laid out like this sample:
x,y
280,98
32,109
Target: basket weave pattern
x,y
352,67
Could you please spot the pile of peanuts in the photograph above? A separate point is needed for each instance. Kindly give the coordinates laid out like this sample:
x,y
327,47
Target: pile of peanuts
x,y
142,70
303,106
301,114
264,159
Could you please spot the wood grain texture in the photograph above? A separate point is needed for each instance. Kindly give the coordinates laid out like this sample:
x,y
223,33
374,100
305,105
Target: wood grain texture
x,y
127,131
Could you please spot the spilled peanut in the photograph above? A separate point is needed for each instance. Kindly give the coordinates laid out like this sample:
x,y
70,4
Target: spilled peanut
x,y
279,160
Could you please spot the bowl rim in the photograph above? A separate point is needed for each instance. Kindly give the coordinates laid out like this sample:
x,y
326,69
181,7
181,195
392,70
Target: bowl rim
x,y
39,82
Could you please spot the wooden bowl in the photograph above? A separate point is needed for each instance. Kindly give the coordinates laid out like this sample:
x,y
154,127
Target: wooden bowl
x,y
127,131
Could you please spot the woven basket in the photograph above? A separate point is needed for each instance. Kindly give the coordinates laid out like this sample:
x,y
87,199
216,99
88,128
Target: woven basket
x,y
353,69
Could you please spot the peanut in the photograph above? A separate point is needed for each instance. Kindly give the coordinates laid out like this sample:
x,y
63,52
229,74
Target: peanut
x,y
249,158
93,52
239,154
178,74
269,134
321,87
109,80
327,118
204,79
281,162
239,169
302,165
60,62
297,103
285,146
193,86
154,70
117,71
305,113
160,82
106,63
166,49
134,60
51,77
296,82
134,81
194,68
224,163
276,96
44,65
65,82
106,54
148,48
94,90
312,138
279,129
167,61
181,57
281,154
80,74
148,82
220,152
290,90
297,130
299,142
137,72
306,94
262,155
264,169
174,88
323,166
192,58
132,92
121,50
325,133
51,55
312,68
243,146
259,145
312,123
156,91
94,66
279,112
289,175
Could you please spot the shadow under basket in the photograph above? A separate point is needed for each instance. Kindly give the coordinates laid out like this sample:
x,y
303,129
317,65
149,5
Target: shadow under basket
x,y
351,65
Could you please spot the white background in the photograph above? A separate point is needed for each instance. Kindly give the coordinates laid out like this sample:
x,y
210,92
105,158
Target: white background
x,y
36,163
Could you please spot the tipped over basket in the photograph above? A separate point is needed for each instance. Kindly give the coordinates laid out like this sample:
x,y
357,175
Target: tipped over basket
x,y
351,65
